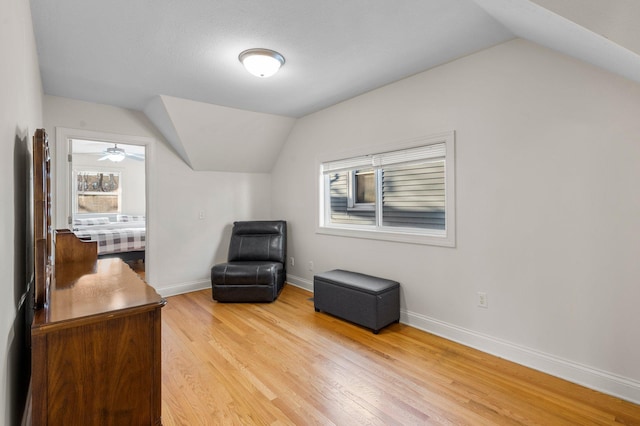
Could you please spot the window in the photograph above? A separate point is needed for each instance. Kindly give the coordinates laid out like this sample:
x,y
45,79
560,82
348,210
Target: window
x,y
97,192
405,193
362,189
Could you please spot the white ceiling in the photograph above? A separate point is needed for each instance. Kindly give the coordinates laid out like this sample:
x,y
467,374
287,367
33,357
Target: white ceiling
x,y
153,55
124,52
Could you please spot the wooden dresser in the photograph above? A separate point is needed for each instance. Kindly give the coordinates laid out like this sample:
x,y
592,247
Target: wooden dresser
x,y
96,333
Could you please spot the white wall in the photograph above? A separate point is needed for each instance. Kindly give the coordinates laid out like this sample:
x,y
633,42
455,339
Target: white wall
x,y
181,247
548,213
20,115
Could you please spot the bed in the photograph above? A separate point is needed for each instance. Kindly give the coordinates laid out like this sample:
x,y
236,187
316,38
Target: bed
x,y
122,236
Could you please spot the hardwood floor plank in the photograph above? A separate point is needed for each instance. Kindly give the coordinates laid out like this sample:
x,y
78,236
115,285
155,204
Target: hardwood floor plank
x,y
282,363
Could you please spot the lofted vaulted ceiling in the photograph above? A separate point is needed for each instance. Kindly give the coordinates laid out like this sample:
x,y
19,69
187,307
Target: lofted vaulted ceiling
x,y
178,61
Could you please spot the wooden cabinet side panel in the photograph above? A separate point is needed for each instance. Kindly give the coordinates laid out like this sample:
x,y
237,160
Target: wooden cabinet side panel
x,y
127,382
67,383
156,401
104,373
39,373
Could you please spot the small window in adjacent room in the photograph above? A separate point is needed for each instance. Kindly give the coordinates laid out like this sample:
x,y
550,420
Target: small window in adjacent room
x,y
97,192
405,193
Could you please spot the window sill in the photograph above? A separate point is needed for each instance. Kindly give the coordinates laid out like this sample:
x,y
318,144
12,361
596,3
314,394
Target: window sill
x,y
362,208
434,238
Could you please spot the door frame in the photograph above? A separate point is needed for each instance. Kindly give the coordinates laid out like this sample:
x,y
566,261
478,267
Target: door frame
x,y
62,175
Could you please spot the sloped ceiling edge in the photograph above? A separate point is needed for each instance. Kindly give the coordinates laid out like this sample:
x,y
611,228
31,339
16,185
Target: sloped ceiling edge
x,y
217,138
532,22
157,113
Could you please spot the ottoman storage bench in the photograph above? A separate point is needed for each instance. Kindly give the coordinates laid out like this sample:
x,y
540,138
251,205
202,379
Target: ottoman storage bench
x,y
368,301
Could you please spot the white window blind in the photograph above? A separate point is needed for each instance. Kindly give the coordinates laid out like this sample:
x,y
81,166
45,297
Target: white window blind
x,y
410,155
428,152
347,164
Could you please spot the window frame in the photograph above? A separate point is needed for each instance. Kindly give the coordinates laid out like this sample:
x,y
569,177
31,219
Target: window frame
x,y
445,238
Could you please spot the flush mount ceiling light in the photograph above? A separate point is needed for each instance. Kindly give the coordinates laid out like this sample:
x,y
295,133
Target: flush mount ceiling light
x,y
261,62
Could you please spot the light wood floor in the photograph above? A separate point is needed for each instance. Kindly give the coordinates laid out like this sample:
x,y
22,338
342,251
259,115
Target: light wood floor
x,y
284,364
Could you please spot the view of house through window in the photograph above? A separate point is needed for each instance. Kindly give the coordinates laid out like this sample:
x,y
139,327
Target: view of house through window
x,y
364,188
407,191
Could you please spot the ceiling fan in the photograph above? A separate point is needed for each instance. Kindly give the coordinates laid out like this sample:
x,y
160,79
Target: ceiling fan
x,y
116,154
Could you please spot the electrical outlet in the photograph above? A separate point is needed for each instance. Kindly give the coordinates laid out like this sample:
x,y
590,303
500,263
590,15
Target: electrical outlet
x,y
483,301
292,261
311,265
201,214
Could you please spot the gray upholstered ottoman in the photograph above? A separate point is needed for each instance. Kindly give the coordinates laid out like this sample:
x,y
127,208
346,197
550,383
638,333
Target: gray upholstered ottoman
x,y
362,299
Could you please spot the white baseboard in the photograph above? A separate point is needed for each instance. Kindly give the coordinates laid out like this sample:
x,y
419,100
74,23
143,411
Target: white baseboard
x,y
186,287
300,282
590,377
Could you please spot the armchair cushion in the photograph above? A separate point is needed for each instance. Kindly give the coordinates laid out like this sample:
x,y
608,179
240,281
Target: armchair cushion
x,y
259,240
246,273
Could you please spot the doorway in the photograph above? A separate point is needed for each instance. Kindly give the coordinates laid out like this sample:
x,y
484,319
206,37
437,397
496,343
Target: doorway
x,y
105,187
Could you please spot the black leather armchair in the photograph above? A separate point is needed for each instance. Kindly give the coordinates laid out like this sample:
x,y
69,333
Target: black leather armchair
x,y
256,269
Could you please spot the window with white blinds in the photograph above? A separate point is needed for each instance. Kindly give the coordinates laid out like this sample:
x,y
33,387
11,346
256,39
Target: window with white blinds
x,y
404,194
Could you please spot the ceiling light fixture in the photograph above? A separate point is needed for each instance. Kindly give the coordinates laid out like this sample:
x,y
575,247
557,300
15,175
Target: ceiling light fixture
x,y
114,154
116,157
262,63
